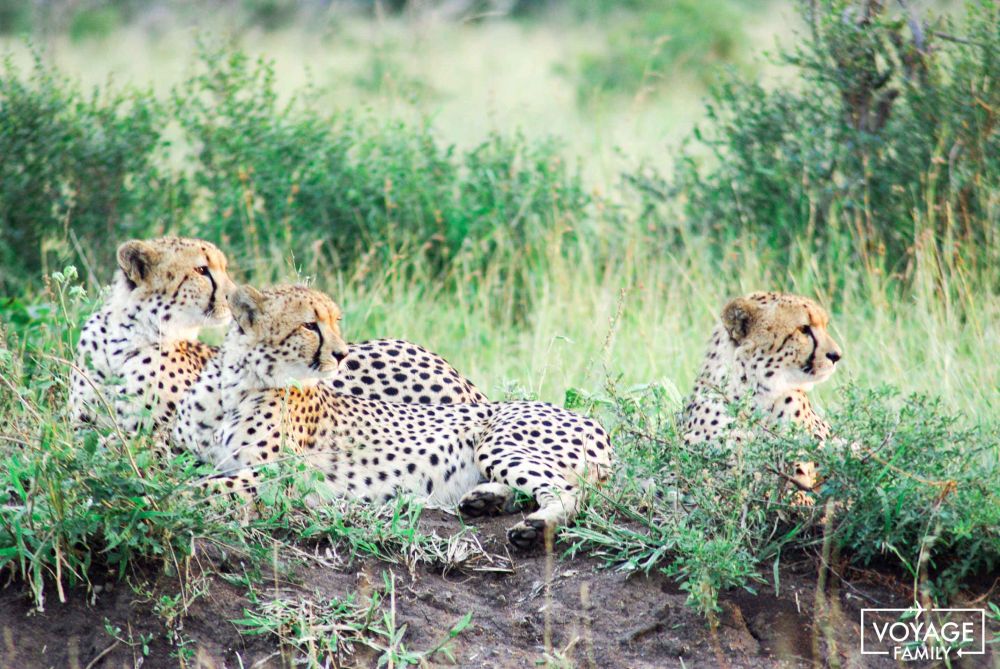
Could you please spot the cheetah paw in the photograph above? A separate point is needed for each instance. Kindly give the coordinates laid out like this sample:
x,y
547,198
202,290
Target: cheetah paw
x,y
479,503
529,533
802,498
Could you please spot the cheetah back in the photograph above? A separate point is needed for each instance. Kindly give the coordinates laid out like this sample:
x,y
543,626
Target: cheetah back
x,y
395,370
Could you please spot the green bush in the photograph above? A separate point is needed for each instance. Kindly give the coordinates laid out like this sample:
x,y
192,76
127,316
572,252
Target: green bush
x,y
352,183
270,14
918,487
648,47
265,180
907,484
887,137
78,173
15,17
94,23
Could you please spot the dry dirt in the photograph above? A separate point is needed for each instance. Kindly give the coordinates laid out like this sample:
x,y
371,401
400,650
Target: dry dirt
x,y
591,616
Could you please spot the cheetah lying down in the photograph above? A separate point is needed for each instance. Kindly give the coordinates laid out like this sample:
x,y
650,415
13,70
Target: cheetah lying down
x,y
287,339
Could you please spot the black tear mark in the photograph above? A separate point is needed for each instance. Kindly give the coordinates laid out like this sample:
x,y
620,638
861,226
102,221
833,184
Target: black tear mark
x,y
809,367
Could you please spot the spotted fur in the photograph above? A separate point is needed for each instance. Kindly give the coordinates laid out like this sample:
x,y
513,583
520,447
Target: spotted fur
x,y
772,348
139,351
287,340
392,370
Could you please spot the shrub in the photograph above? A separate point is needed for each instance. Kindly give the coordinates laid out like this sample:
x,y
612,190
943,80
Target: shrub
x,y
918,488
15,17
94,23
908,483
265,180
351,183
78,173
270,14
649,46
887,137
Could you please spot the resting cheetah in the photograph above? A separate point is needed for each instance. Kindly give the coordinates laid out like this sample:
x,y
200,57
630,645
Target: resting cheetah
x,y
140,349
287,339
773,347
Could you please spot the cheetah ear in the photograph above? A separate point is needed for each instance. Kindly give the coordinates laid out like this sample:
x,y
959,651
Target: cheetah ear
x,y
245,303
136,259
738,318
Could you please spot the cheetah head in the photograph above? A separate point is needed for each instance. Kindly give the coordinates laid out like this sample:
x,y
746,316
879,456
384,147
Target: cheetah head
x,y
175,285
782,340
286,335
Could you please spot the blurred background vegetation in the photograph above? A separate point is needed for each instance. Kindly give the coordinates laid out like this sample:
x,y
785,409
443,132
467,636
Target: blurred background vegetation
x,y
581,178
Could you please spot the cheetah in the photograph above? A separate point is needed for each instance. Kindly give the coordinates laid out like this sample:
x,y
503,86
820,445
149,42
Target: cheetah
x,y
287,340
140,348
772,347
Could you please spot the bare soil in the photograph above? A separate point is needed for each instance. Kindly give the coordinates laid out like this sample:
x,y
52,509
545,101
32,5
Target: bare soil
x,y
570,608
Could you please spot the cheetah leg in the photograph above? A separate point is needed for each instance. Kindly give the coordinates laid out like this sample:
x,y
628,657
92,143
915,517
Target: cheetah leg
x,y
488,499
531,472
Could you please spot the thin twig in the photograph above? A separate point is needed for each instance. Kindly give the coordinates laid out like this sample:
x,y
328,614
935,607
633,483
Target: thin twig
x,y
100,656
958,40
915,29
947,485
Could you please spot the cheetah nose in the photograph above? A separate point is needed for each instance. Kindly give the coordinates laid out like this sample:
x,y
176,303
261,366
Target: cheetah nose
x,y
833,356
340,355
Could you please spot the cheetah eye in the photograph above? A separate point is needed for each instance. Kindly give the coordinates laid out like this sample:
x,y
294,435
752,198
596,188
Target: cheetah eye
x,y
203,270
314,326
805,329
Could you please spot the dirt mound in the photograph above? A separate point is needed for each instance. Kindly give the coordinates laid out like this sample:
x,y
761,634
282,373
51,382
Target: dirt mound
x,y
570,610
